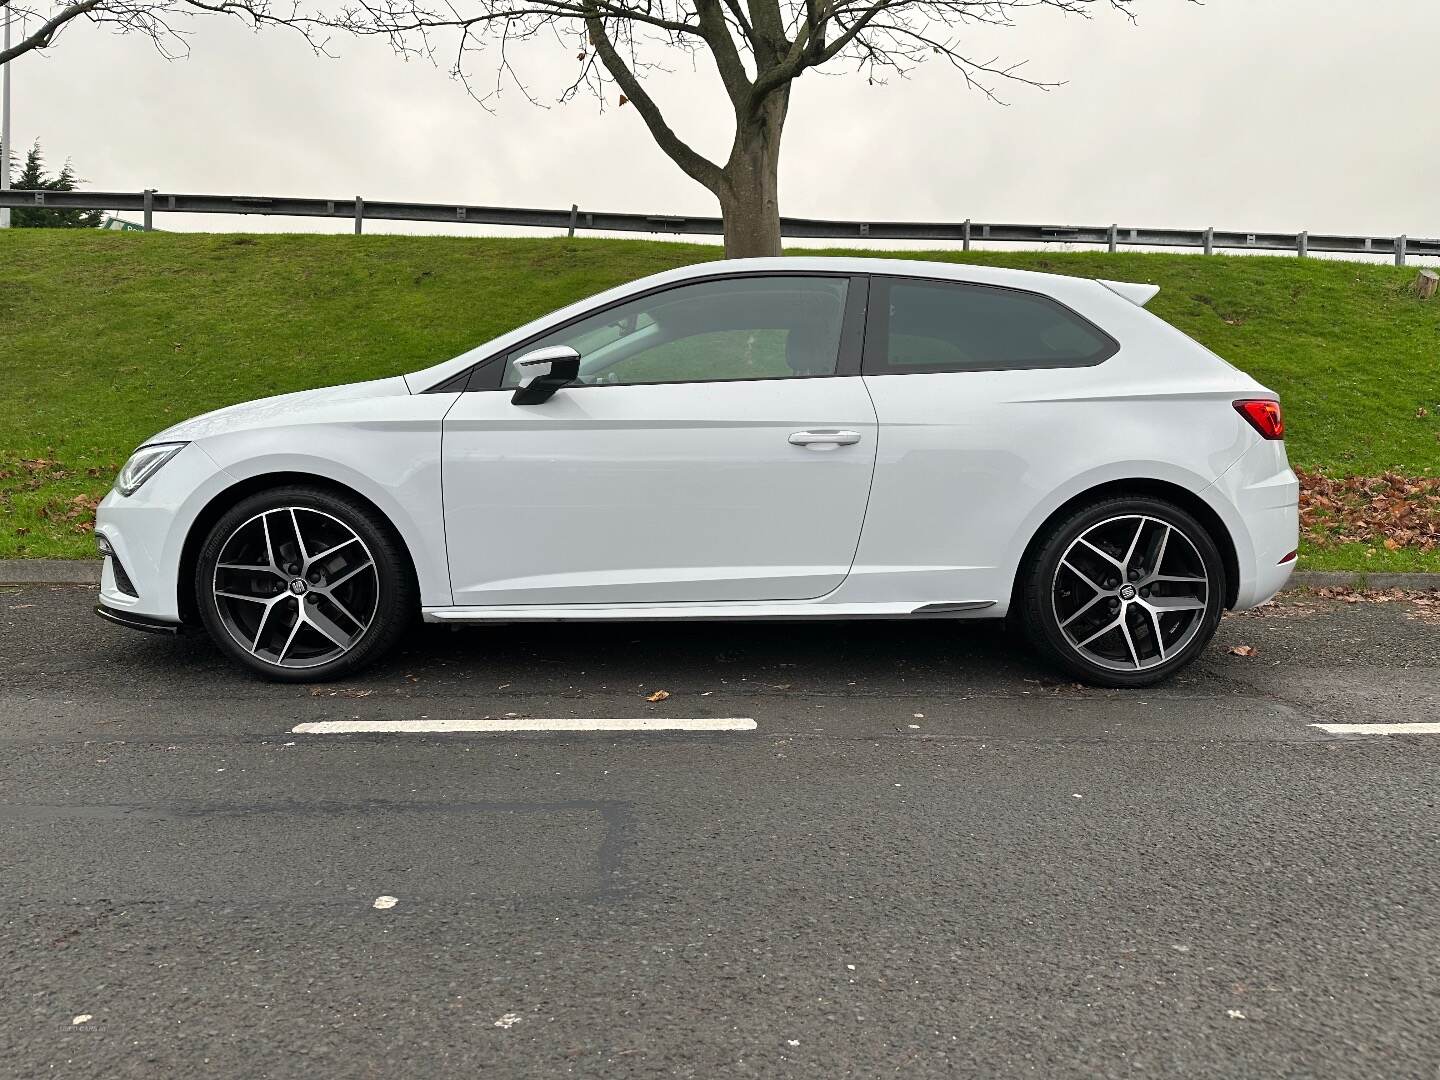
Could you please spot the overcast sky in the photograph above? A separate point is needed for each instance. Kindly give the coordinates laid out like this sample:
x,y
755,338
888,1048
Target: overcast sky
x,y
1246,114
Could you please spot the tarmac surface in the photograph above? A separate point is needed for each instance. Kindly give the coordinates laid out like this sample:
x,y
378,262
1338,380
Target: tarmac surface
x,y
930,856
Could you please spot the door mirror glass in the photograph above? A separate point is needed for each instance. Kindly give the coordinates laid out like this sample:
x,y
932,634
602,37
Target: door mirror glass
x,y
544,371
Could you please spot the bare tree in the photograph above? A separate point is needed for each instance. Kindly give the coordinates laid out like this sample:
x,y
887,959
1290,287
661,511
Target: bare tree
x,y
758,48
160,21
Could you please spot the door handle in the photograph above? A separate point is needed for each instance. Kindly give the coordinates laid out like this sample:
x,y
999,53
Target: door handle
x,y
824,440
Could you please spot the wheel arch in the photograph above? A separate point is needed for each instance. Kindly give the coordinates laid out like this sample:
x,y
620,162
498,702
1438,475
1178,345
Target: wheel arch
x,y
222,501
1148,487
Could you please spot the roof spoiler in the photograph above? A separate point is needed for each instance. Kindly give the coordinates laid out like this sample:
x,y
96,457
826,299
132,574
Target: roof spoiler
x,y
1139,295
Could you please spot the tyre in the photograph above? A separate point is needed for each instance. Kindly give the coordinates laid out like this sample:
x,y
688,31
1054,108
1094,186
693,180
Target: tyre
x,y
302,584
1123,593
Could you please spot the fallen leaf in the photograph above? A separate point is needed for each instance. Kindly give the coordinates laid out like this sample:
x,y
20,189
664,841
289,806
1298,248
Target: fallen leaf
x,y
658,695
1370,510
1242,650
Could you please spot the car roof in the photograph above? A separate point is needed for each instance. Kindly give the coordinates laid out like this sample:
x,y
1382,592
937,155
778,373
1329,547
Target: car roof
x,y
849,264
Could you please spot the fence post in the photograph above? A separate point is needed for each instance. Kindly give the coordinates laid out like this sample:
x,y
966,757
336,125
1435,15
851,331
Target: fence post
x,y
359,214
1210,241
1400,251
1114,238
149,207
965,235
574,213
1302,244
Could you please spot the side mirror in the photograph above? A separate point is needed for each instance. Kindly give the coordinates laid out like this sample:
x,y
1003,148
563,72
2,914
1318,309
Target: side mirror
x,y
544,371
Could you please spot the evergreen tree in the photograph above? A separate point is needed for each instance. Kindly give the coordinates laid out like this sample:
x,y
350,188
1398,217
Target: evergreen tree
x,y
32,178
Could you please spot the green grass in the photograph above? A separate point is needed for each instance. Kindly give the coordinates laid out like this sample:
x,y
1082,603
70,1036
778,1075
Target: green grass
x,y
107,337
1370,558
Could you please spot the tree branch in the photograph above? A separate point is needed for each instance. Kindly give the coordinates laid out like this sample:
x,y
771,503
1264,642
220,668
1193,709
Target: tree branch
x,y
716,33
48,29
695,165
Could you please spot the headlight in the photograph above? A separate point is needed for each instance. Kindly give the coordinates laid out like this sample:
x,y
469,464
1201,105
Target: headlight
x,y
145,463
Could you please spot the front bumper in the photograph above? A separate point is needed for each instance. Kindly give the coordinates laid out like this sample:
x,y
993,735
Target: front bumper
x,y
147,532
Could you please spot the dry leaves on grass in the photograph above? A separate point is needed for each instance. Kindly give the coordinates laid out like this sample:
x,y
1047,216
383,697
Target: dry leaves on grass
x,y
32,473
1392,511
77,512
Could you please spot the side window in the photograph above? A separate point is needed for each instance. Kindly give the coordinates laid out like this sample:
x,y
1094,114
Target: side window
x,y
931,326
737,328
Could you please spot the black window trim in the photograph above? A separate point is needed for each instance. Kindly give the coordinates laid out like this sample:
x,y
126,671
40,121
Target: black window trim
x,y
877,329
487,374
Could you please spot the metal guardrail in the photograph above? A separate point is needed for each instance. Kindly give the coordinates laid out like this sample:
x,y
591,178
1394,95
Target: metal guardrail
x,y
967,233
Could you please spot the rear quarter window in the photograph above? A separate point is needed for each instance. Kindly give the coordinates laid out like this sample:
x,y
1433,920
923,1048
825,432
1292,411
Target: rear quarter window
x,y
934,326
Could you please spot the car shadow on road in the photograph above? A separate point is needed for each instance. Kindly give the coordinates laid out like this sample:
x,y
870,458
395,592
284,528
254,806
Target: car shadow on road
x,y
559,657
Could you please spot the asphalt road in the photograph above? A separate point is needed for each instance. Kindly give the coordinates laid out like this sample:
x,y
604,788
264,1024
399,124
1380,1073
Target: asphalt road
x,y
931,857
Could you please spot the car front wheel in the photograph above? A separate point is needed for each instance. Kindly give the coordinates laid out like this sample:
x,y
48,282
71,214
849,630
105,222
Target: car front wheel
x,y
301,584
1124,592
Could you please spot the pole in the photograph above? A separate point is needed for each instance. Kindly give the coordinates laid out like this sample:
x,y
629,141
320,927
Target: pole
x,y
5,127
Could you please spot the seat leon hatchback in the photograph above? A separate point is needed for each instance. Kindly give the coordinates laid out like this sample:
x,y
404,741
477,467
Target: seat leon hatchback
x,y
784,438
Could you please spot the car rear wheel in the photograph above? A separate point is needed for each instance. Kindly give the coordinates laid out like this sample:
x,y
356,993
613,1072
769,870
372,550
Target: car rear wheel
x,y
1124,592
301,584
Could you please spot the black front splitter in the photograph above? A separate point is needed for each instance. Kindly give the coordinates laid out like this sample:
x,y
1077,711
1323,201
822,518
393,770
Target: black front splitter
x,y
138,622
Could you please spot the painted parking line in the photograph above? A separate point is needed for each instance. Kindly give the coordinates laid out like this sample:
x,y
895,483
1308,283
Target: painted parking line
x,y
1379,729
513,724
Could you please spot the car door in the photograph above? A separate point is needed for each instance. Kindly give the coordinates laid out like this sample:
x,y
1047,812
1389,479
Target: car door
x,y
717,446
991,401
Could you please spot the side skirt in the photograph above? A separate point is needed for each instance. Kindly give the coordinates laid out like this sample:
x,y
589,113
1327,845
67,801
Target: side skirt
x,y
705,612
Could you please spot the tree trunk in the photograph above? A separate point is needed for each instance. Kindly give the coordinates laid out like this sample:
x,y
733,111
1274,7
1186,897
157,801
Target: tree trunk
x,y
750,198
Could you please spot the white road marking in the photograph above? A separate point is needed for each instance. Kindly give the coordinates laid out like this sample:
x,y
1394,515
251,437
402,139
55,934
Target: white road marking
x,y
510,724
1379,729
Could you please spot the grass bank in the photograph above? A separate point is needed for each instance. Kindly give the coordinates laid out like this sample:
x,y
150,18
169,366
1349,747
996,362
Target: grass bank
x,y
107,337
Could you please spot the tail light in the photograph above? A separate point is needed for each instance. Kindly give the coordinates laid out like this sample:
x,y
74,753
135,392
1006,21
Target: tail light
x,y
1263,415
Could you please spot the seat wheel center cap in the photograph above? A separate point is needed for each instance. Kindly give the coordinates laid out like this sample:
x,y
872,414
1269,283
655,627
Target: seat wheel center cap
x,y
298,586
1127,592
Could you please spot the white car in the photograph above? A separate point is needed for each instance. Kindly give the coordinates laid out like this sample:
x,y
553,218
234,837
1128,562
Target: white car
x,y
763,439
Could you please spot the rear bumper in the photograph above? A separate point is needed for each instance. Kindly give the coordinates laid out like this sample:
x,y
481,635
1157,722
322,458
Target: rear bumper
x,y
138,622
1260,497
